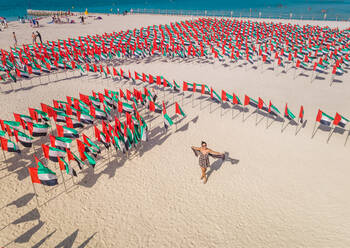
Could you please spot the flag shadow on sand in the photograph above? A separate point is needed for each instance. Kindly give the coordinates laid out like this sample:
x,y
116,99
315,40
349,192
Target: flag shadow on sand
x,y
69,241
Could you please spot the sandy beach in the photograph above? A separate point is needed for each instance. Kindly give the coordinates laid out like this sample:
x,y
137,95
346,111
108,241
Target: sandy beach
x,y
276,189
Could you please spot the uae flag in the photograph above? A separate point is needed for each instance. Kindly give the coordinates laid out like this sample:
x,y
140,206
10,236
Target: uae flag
x,y
94,100
90,143
38,115
125,107
73,123
118,144
60,142
37,130
205,89
250,101
9,123
167,121
100,136
90,159
323,118
60,116
301,114
24,139
235,99
143,133
25,118
11,76
273,110
45,67
288,114
52,153
71,156
41,174
215,96
98,113
8,145
63,131
154,107
35,69
319,68
85,118
340,120
176,87
187,86
250,59
197,88
64,166
225,96
21,73
337,70
83,151
178,110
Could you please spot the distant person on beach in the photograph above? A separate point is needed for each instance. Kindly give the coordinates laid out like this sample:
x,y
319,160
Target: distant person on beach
x,y
5,23
14,39
33,37
39,36
204,153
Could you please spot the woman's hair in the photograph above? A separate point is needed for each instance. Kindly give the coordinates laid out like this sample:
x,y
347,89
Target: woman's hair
x,y
204,143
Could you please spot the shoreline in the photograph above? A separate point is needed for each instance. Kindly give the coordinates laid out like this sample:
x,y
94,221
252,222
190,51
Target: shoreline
x,y
197,13
281,187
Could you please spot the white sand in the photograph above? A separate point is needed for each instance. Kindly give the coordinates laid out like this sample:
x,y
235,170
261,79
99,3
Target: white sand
x,y
284,191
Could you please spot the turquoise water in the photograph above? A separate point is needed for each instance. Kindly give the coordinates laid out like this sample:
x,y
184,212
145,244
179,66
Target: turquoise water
x,y
275,8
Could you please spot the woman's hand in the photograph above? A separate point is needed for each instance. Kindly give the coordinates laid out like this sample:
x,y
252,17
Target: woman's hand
x,y
195,148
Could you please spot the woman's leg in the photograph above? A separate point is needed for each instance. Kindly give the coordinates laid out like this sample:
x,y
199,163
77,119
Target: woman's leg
x,y
203,172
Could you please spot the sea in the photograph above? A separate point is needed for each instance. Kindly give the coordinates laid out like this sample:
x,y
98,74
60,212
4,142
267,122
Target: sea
x,y
298,9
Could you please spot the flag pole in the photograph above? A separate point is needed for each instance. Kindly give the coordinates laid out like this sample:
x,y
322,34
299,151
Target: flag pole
x,y
314,132
173,95
72,173
331,132
267,121
243,115
183,94
36,195
331,82
3,152
64,182
347,136
176,122
313,73
296,126
221,109
256,116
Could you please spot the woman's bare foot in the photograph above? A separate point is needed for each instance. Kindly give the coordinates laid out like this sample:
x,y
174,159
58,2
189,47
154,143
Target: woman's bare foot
x,y
205,180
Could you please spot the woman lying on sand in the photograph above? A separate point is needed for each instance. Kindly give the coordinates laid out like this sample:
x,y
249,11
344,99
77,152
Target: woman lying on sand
x,y
204,153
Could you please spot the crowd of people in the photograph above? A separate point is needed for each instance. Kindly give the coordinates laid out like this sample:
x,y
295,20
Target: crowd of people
x,y
3,22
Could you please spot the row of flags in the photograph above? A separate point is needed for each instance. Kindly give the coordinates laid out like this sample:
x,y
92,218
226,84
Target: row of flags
x,y
327,120
310,47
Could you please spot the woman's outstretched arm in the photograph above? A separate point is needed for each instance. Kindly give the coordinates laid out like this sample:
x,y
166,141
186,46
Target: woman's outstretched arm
x,y
214,152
